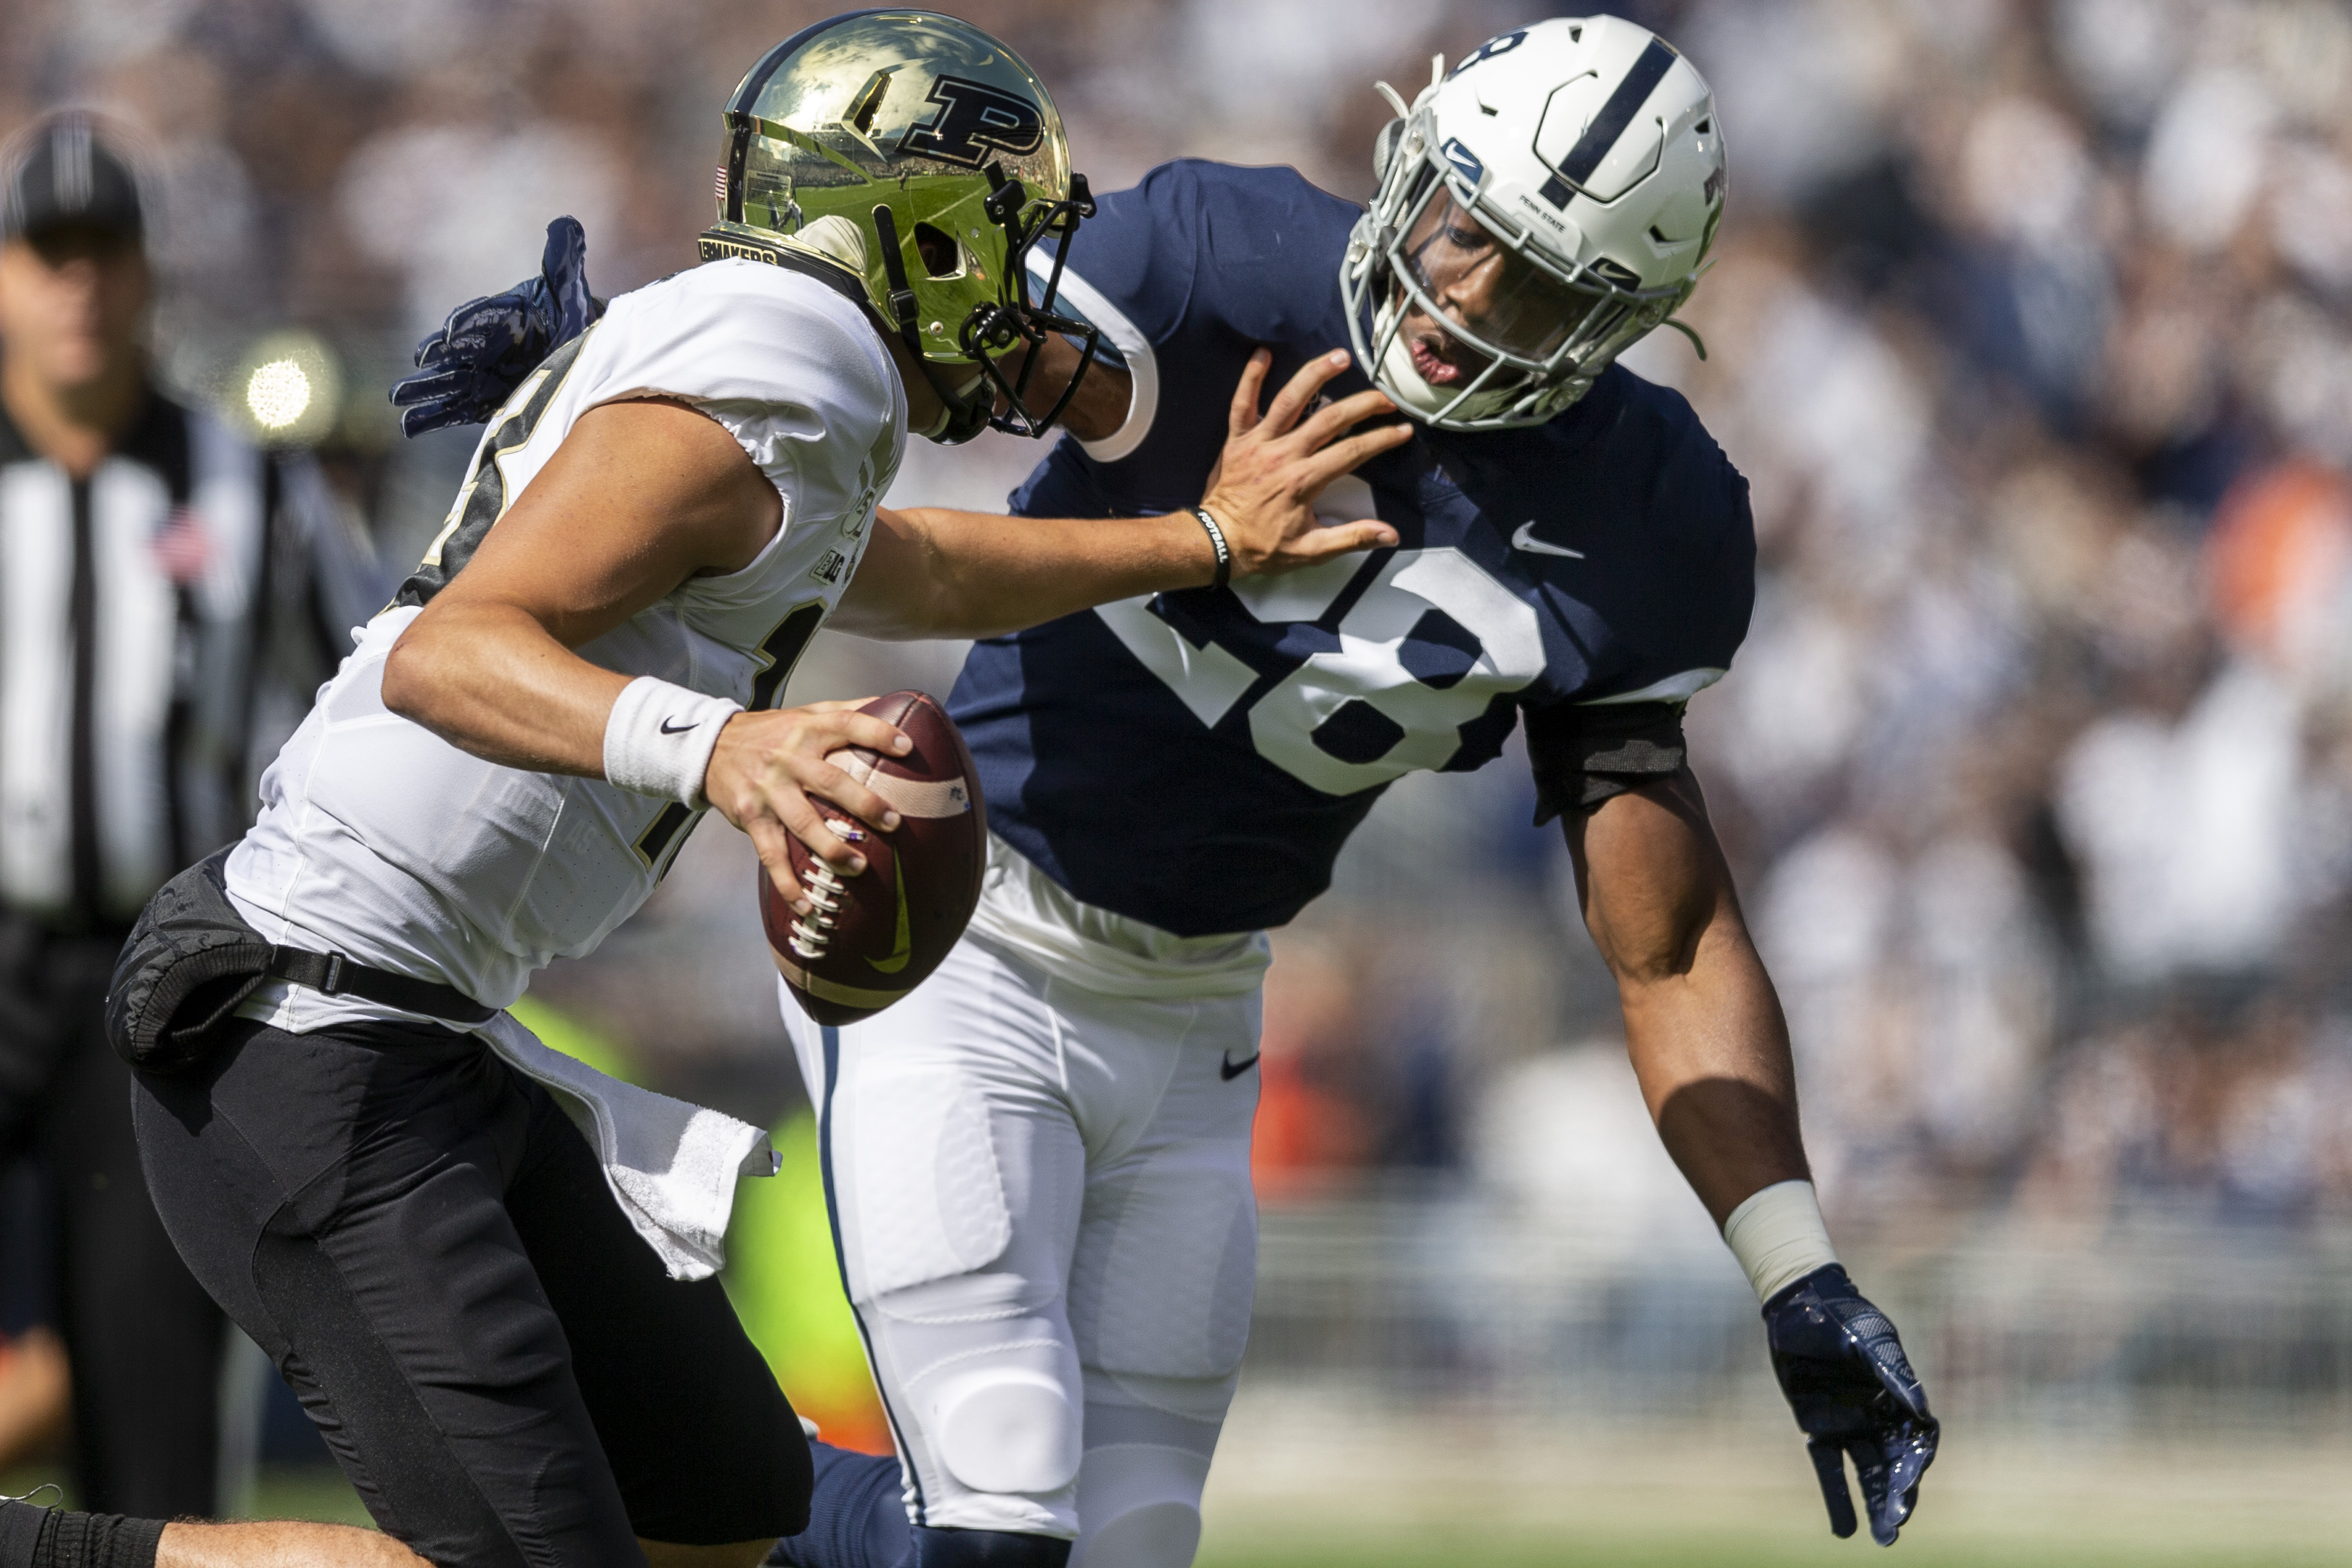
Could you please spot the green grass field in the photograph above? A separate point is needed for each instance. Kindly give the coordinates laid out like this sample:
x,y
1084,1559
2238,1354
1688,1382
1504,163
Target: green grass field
x,y
1673,1548
1302,1487
1643,1527
1307,1484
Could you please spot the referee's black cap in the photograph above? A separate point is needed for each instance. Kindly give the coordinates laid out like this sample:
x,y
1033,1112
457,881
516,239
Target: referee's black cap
x,y
62,173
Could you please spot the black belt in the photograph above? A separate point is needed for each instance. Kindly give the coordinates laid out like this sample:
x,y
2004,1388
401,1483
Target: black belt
x,y
336,975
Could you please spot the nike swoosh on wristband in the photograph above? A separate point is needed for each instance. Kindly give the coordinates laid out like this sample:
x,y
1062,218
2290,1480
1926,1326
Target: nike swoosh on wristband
x,y
1525,539
1230,1069
669,729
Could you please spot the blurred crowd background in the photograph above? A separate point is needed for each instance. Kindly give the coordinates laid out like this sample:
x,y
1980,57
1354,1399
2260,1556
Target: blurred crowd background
x,y
2028,326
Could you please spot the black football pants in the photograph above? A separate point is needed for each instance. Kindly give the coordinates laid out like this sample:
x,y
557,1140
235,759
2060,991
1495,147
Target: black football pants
x,y
427,1247
144,1339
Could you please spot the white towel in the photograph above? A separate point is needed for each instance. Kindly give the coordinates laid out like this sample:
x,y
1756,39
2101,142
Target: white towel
x,y
672,1166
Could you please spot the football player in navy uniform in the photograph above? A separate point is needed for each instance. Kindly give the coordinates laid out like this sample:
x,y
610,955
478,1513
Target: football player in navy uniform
x,y
1039,1160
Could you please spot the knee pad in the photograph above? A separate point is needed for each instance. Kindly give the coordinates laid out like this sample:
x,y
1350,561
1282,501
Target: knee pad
x,y
1007,1430
1139,1506
986,1549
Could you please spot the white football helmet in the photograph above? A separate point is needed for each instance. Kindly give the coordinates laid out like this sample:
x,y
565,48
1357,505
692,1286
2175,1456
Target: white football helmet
x,y
1539,210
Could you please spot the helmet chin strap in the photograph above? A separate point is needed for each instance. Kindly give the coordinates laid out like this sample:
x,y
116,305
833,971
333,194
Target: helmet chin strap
x,y
961,418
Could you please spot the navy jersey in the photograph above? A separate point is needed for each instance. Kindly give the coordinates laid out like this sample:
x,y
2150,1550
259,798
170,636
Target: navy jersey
x,y
1196,760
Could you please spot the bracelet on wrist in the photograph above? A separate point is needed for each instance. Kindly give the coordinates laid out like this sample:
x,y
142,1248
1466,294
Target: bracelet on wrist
x,y
1217,543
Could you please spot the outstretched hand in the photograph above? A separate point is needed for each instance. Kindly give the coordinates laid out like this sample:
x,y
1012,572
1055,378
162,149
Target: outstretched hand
x,y
1263,488
1854,1391
486,348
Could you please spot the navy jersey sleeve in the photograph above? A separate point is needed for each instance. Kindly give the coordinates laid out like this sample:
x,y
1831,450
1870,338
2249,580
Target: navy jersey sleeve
x,y
1701,503
1185,274
1582,756
1639,527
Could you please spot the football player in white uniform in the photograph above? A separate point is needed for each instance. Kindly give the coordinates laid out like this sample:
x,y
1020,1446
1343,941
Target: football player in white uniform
x,y
358,1156
1038,1161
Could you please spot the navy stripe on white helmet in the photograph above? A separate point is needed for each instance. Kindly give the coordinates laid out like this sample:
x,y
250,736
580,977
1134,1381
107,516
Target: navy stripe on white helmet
x,y
1540,210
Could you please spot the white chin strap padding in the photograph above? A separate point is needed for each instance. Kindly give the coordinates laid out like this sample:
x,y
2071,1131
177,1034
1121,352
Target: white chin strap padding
x,y
1139,1506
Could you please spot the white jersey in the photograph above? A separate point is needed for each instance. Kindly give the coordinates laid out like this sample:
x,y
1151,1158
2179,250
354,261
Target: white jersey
x,y
382,841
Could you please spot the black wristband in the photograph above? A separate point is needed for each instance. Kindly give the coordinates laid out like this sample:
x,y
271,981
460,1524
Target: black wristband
x,y
1217,543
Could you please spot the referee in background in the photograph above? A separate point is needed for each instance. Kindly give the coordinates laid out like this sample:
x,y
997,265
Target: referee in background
x,y
169,597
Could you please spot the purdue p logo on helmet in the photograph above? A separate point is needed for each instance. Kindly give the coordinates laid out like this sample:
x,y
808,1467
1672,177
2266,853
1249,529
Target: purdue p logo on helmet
x,y
974,120
920,156
1540,210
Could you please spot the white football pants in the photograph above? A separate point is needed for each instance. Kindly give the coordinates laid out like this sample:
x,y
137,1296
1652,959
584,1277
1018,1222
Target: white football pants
x,y
1042,1199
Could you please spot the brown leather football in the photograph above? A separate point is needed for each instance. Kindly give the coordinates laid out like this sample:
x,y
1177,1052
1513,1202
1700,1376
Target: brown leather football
x,y
874,937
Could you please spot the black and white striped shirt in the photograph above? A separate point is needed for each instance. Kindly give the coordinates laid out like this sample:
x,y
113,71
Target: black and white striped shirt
x,y
163,624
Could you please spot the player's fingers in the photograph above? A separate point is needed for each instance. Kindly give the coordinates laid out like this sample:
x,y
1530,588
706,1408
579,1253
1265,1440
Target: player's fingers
x,y
1913,1449
830,729
427,385
566,247
1301,390
824,778
1908,1449
1344,457
1882,1503
1243,415
1829,1465
1334,418
416,421
768,836
1318,544
815,826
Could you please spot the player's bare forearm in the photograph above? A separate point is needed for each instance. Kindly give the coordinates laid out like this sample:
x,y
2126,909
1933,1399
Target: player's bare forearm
x,y
932,573
935,572
640,497
1703,1024
490,678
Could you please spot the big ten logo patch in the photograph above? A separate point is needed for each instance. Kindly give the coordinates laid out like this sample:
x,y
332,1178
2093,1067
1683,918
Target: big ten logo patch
x,y
835,566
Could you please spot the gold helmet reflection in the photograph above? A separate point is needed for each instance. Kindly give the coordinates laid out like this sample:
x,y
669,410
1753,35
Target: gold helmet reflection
x,y
922,158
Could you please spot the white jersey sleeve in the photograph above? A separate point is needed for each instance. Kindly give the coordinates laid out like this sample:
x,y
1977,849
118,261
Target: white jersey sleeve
x,y
381,841
795,373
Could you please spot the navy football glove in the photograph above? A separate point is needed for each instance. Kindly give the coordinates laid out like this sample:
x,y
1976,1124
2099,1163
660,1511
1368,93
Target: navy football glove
x,y
1854,1391
486,346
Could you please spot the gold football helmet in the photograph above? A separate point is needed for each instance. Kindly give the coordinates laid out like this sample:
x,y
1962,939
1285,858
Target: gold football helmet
x,y
918,156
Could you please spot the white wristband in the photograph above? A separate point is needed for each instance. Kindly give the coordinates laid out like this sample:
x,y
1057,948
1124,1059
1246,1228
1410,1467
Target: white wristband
x,y
660,736
1779,1237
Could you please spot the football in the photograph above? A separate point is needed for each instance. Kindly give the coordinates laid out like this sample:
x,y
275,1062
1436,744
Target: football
x,y
874,937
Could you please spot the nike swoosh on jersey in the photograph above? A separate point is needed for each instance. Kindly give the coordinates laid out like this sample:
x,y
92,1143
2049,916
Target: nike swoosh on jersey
x,y
1229,1069
904,948
1525,539
669,729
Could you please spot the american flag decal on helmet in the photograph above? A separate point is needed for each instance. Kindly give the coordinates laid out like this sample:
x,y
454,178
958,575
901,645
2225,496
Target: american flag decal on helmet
x,y
720,190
